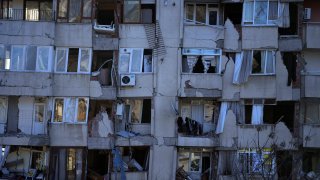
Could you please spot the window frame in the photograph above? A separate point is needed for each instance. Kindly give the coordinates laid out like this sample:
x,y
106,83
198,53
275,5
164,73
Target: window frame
x,y
49,58
140,13
75,118
44,111
23,58
66,19
265,64
190,151
208,9
249,160
128,51
203,52
67,60
252,22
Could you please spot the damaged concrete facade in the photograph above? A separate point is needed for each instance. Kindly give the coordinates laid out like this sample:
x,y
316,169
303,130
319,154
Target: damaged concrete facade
x,y
159,89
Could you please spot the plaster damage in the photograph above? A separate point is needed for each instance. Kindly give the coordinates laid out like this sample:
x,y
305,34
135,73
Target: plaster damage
x,y
231,36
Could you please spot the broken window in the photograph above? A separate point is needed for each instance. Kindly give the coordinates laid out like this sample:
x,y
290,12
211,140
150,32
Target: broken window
x,y
134,60
254,161
100,119
105,12
135,12
71,110
263,62
197,116
98,163
312,112
201,14
195,162
38,10
26,58
201,60
135,158
140,110
73,60
233,11
311,163
74,11
260,12
37,160
292,26
39,112
3,113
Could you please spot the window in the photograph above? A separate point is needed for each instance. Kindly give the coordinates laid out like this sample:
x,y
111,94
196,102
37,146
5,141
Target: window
x,y
77,60
196,161
138,110
253,161
74,11
38,10
134,12
260,12
71,163
71,110
37,160
312,112
197,116
263,62
26,58
134,60
3,113
201,14
39,112
201,60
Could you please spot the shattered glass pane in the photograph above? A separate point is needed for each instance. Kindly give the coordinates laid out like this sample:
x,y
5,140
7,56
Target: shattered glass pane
x,y
260,15
131,11
195,161
58,110
85,60
82,110
201,13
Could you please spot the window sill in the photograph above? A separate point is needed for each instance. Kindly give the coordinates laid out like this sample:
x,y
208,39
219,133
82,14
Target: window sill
x,y
259,25
262,74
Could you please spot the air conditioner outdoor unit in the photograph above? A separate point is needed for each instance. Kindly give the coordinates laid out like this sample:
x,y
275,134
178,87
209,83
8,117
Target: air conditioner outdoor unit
x,y
128,79
307,13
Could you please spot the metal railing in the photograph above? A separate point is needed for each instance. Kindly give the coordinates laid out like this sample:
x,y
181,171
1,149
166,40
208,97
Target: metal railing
x,y
27,14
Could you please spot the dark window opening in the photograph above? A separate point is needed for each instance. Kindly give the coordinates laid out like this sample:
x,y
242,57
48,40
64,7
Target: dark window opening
x,y
98,164
256,62
311,161
146,111
137,158
148,13
105,12
290,61
233,11
102,63
201,64
147,60
284,164
73,60
293,29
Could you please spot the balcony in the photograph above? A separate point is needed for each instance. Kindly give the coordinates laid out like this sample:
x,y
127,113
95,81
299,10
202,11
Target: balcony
x,y
200,85
311,132
71,84
312,35
255,37
24,140
68,134
199,141
135,35
143,86
196,36
27,14
259,86
311,85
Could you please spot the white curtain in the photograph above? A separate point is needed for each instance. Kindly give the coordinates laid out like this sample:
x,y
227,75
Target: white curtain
x,y
222,117
192,60
237,68
257,114
284,16
243,67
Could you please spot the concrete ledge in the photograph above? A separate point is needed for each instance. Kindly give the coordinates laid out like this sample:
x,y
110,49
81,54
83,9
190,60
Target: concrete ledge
x,y
100,143
198,141
136,141
287,44
24,140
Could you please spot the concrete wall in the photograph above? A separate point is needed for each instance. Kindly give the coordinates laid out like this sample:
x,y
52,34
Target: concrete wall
x,y
311,134
259,87
25,83
27,33
255,37
312,85
104,43
71,84
143,175
287,44
200,85
312,59
202,36
132,36
143,87
73,35
63,134
312,35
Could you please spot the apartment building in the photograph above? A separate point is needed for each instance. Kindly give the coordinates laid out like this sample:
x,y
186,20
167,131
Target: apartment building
x,y
159,89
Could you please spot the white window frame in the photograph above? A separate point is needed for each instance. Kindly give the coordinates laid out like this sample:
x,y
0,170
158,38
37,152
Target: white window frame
x,y
269,22
193,20
49,60
23,58
44,111
128,51
203,52
254,151
265,64
74,120
67,60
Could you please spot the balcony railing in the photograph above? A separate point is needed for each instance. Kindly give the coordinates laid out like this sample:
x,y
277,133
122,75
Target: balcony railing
x,y
27,14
